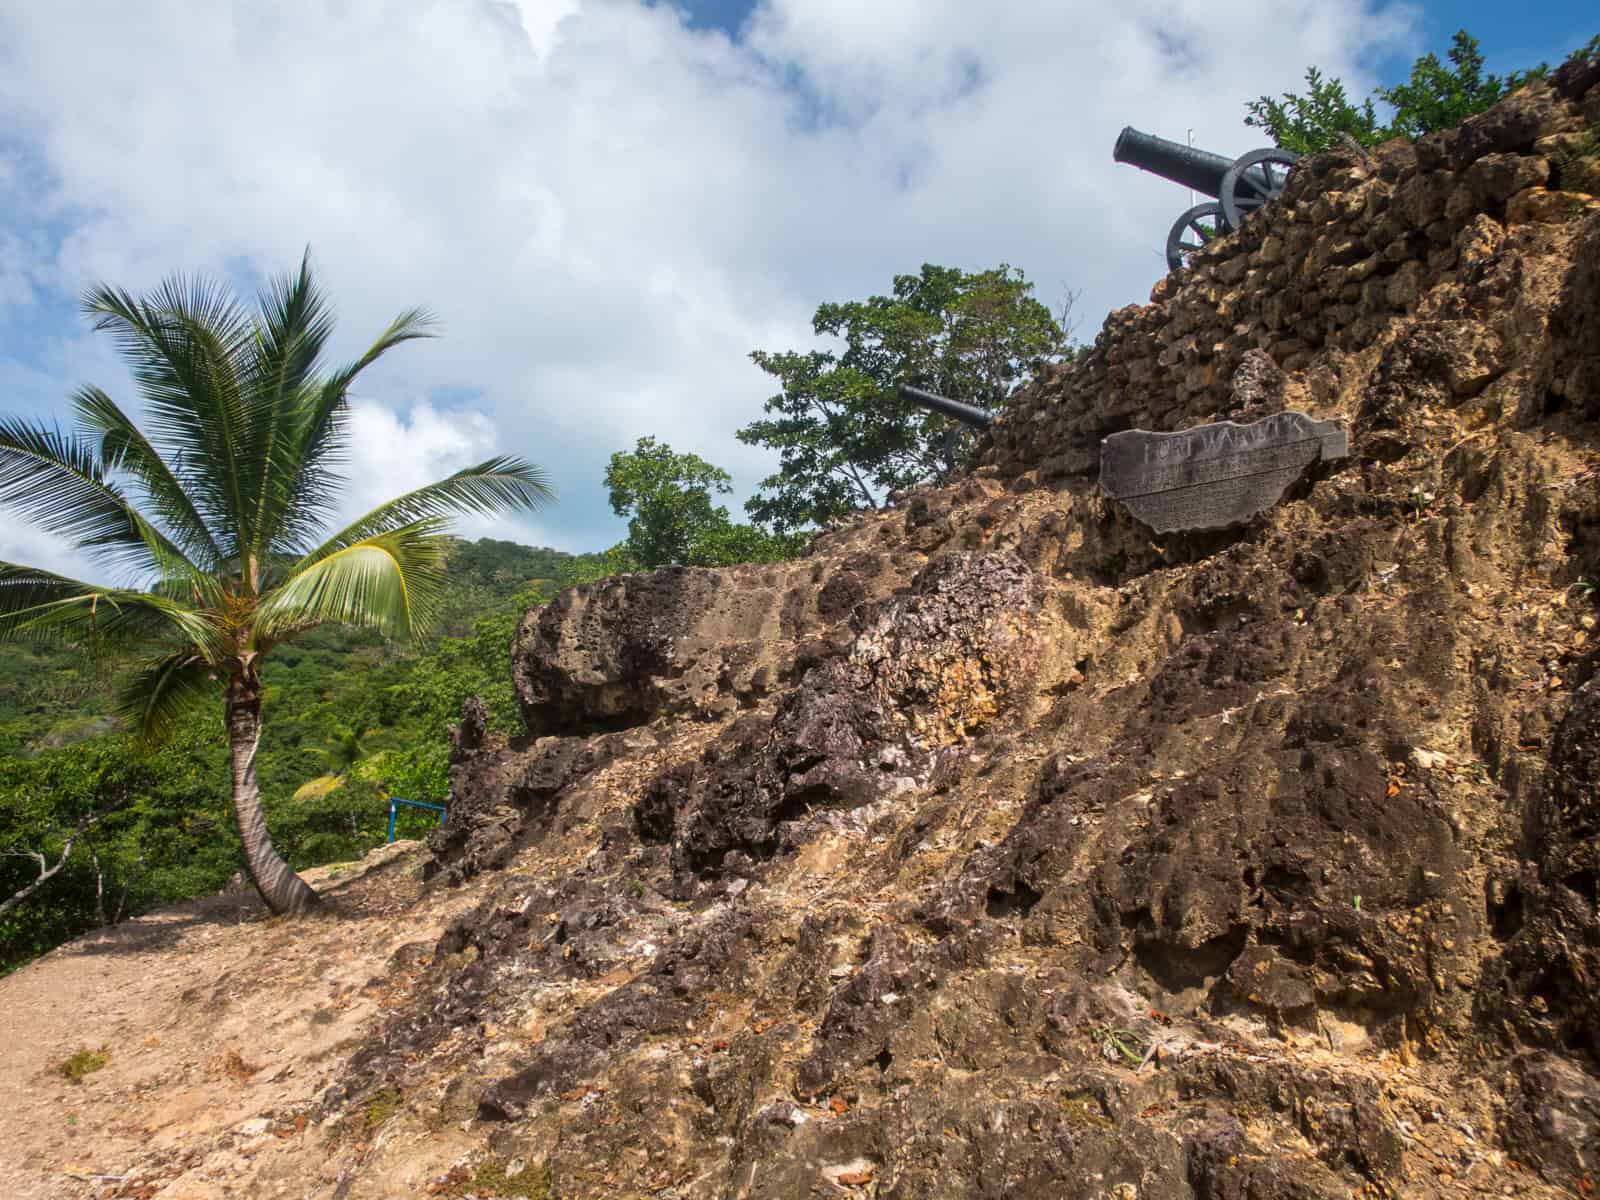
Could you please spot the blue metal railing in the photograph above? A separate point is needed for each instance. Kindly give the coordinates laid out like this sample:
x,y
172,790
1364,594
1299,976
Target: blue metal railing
x,y
394,807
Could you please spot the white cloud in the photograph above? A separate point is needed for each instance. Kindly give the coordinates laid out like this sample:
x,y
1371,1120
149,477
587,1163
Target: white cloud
x,y
607,208
21,543
393,453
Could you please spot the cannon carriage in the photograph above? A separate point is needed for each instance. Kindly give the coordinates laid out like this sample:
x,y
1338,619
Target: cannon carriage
x,y
1237,186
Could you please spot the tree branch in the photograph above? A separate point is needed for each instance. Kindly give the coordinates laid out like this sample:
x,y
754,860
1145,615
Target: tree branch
x,y
99,887
849,469
854,476
47,873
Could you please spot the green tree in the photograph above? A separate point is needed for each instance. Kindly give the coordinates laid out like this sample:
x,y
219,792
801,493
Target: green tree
x,y
1435,97
1432,98
666,497
673,518
843,437
120,828
220,514
1312,123
730,543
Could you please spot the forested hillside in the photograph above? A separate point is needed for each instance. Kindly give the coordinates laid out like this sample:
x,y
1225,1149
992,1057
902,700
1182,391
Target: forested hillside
x,y
352,720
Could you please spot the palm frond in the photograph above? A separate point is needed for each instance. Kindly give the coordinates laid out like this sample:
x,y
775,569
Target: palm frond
x,y
188,345
294,325
497,485
124,447
160,691
320,442
409,326
391,582
58,482
41,606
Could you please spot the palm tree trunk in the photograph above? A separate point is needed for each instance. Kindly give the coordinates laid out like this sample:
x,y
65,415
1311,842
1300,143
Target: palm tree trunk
x,y
280,887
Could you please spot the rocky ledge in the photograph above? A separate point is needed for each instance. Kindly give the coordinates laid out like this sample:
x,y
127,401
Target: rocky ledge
x,y
1002,848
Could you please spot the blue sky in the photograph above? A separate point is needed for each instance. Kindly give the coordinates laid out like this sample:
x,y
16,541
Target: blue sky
x,y
1511,35
611,202
726,15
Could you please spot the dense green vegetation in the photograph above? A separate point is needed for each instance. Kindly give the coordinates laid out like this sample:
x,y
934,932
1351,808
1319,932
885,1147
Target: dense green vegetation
x,y
672,517
843,437
358,718
219,512
353,717
1433,97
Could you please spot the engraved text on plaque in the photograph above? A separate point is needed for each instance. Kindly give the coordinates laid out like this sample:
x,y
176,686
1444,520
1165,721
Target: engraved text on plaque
x,y
1214,476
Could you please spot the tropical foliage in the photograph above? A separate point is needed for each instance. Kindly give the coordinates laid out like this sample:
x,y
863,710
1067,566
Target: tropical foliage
x,y
168,832
672,518
218,519
843,437
1433,97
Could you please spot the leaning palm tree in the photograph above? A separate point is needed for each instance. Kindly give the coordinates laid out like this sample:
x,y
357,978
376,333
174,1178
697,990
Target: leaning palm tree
x,y
217,519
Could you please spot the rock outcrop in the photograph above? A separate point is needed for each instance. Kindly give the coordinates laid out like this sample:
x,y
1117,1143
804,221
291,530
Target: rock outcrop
x,y
1459,238
1000,848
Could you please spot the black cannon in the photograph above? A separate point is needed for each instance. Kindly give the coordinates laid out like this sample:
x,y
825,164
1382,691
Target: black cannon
x,y
967,414
1238,186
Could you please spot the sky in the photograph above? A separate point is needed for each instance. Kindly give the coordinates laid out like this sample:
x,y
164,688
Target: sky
x,y
610,203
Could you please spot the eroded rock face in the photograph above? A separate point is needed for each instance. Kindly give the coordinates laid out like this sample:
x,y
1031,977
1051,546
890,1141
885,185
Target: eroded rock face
x,y
681,641
1575,332
1323,276
998,848
924,672
497,792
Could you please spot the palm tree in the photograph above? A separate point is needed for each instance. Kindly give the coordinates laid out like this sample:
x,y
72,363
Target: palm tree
x,y
217,519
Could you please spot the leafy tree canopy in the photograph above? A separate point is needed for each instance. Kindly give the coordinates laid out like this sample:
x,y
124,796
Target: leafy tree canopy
x,y
1313,122
1434,97
168,831
666,497
673,518
220,511
843,437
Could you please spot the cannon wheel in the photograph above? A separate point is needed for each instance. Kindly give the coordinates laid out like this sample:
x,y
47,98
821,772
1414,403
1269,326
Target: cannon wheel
x,y
1192,231
1253,180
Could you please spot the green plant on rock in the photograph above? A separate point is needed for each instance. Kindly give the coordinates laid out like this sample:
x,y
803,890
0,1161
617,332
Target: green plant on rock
x,y
380,1108
220,513
1082,1110
1575,164
509,1181
1433,97
82,1061
1127,1045
1437,97
1315,121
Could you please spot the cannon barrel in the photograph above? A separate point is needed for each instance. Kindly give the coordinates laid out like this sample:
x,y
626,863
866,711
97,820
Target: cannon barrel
x,y
1183,165
978,418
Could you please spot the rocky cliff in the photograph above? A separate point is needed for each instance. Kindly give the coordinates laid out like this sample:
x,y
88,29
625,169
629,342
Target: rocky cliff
x,y
1000,848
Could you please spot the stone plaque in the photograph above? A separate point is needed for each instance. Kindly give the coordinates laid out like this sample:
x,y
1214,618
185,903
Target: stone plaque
x,y
1214,476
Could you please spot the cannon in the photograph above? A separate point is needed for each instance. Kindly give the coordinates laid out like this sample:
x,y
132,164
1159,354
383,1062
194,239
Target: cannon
x,y
1237,186
967,414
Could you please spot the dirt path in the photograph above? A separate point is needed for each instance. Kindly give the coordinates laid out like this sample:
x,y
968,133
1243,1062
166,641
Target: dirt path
x,y
220,1027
